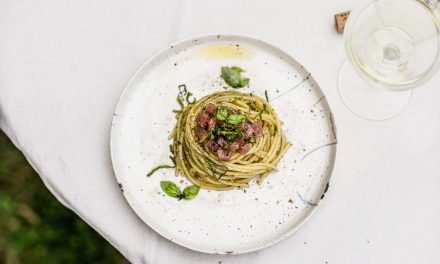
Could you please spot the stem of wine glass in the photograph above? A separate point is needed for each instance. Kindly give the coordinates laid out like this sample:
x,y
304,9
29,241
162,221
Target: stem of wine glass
x,y
389,49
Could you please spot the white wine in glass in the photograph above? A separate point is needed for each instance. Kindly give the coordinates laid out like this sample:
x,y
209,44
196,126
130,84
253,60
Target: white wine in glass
x,y
392,47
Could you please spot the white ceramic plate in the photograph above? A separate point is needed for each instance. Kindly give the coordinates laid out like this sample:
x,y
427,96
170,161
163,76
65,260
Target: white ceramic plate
x,y
229,222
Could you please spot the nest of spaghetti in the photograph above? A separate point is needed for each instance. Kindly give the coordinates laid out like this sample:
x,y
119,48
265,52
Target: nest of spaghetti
x,y
227,139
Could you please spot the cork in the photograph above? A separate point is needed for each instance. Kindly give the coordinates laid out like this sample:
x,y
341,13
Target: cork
x,y
340,20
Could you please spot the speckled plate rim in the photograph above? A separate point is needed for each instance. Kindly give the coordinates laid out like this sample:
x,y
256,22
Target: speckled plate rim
x,y
119,178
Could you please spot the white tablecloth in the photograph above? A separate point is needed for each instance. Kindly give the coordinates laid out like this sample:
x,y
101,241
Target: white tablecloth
x,y
63,65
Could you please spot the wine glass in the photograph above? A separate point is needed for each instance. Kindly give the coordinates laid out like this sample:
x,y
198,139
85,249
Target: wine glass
x,y
393,46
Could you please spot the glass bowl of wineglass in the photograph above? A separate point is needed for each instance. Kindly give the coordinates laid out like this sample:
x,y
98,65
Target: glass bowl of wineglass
x,y
393,46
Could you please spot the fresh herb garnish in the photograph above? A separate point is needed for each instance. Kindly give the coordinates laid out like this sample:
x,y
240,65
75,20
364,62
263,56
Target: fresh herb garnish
x,y
158,167
232,76
264,110
267,97
173,160
237,69
222,114
188,95
182,96
251,141
234,132
182,89
190,192
180,101
244,82
164,166
229,135
240,133
229,138
213,167
172,190
226,169
229,129
235,119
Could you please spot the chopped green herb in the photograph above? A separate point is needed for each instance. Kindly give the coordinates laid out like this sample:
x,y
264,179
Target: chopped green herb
x,y
188,95
173,160
158,167
267,97
182,89
180,101
222,174
182,96
213,167
251,140
222,114
235,119
230,134
264,110
177,111
240,133
209,135
230,138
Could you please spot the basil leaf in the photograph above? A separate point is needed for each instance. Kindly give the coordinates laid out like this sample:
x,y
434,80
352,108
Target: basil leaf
x,y
237,69
222,114
170,188
231,77
244,82
190,192
235,119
